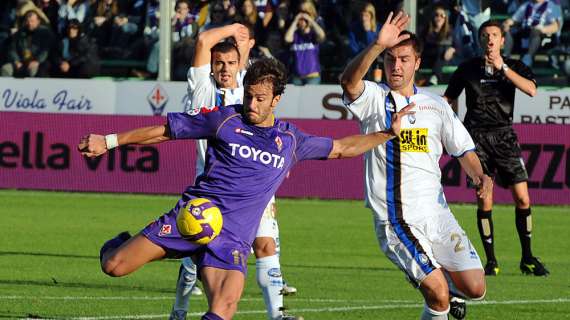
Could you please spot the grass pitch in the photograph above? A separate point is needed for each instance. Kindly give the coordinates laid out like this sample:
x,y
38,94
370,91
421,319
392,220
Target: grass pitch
x,y
49,266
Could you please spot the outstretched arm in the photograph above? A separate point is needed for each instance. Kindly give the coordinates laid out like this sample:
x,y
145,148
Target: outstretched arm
x,y
209,38
472,166
94,145
389,36
356,145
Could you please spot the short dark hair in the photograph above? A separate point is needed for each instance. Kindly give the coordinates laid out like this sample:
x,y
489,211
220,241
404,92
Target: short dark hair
x,y
267,69
491,23
411,41
225,47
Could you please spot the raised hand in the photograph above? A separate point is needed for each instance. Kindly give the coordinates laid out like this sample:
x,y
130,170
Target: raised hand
x,y
92,145
389,35
397,118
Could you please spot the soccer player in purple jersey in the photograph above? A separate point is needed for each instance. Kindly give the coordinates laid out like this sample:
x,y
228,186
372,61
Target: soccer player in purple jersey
x,y
216,79
248,157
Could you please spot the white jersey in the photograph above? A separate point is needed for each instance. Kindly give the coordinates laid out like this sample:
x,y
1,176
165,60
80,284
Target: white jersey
x,y
402,176
204,93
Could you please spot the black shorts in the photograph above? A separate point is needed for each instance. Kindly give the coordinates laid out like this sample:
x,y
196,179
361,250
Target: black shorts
x,y
500,155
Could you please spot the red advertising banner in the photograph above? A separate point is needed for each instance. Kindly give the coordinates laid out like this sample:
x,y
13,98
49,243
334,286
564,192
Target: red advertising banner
x,y
38,151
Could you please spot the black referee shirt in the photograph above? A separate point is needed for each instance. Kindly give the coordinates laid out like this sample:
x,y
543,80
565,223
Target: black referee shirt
x,y
490,99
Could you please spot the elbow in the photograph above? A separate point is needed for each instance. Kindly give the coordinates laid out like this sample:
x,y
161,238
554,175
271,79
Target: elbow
x,y
202,41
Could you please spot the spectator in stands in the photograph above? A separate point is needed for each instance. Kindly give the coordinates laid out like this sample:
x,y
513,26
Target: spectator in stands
x,y
217,17
535,25
69,10
230,8
112,30
364,31
183,22
24,6
304,34
7,24
185,29
465,39
78,54
50,8
148,46
438,47
29,49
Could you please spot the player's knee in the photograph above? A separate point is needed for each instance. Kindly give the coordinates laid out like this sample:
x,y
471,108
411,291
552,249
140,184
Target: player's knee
x,y
112,267
226,306
264,247
437,298
476,291
522,201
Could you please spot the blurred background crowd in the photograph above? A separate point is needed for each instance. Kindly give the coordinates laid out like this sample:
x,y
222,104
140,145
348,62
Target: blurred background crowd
x,y
314,38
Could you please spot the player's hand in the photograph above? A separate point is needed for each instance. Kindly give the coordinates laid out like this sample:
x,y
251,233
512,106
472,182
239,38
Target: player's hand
x,y
484,187
241,33
397,117
92,145
495,59
389,35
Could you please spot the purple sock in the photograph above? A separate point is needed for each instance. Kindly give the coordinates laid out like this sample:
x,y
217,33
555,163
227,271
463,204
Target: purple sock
x,y
211,316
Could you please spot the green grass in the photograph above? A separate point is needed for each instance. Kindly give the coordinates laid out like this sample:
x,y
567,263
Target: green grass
x,y
49,266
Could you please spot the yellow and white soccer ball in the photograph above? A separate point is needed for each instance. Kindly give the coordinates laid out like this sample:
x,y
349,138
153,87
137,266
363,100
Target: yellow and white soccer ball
x,y
200,221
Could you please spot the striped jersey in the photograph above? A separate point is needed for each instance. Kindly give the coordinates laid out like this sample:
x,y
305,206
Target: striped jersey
x,y
402,176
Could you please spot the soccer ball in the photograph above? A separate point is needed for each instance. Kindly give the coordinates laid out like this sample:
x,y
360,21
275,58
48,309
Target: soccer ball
x,y
200,221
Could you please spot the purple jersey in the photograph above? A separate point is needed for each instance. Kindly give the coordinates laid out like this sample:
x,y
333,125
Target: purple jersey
x,y
245,164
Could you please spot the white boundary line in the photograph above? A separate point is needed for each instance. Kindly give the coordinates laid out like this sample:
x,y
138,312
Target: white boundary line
x,y
391,305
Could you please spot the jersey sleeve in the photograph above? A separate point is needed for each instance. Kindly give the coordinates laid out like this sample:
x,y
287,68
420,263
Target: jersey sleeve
x,y
455,137
456,84
200,86
198,126
311,147
364,106
523,70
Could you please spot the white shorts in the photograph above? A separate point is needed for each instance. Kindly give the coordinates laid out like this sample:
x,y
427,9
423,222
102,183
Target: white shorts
x,y
268,225
420,248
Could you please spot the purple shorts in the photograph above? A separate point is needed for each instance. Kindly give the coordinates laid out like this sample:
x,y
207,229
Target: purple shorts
x,y
226,251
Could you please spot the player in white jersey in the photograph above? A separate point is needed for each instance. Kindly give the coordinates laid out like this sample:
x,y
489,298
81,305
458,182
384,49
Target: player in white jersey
x,y
415,227
216,79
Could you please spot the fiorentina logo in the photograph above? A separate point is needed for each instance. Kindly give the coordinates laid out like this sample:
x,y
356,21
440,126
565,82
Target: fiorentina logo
x,y
166,229
279,143
157,99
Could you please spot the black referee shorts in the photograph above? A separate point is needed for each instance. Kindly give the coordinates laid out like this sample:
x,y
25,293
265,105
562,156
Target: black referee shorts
x,y
500,155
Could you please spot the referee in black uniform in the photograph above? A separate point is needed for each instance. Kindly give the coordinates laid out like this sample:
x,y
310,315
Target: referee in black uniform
x,y
490,83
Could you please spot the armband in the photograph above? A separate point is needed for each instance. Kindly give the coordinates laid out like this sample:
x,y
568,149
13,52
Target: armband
x,y
111,141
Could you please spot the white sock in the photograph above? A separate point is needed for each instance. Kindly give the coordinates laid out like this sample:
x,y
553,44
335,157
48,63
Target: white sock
x,y
186,281
430,314
270,281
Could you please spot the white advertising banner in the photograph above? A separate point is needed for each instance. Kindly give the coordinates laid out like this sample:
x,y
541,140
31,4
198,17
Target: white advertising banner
x,y
58,96
549,106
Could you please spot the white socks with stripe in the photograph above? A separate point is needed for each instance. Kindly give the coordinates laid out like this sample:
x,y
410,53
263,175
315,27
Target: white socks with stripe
x,y
270,281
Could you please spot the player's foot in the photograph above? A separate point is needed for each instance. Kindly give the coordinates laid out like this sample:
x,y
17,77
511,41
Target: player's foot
x,y
492,268
288,290
533,266
457,308
177,315
286,316
114,243
196,291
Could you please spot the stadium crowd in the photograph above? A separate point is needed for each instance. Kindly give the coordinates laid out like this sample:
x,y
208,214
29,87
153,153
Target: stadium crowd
x,y
87,38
